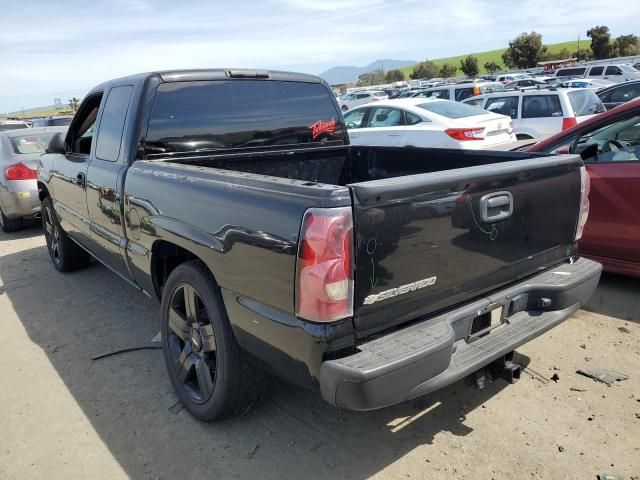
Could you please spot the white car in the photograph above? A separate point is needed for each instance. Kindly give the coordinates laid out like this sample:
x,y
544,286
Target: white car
x,y
512,77
360,98
616,73
427,122
539,114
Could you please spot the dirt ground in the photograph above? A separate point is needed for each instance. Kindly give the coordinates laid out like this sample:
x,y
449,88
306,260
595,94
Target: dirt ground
x,y
64,415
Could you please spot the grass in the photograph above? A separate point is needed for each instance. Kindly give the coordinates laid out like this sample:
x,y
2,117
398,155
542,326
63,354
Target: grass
x,y
496,56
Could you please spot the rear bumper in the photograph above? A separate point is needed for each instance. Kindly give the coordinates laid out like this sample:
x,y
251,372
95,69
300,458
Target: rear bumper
x,y
432,354
20,204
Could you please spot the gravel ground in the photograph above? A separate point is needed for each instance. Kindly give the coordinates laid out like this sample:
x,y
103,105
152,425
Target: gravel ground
x,y
64,415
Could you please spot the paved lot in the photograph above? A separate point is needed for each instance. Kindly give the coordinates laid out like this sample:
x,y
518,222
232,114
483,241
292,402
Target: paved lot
x,y
64,415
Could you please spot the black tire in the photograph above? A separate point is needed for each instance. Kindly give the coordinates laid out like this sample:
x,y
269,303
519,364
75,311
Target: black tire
x,y
207,369
65,254
9,225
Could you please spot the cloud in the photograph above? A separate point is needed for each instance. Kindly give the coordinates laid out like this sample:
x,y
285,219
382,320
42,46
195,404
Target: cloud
x,y
59,46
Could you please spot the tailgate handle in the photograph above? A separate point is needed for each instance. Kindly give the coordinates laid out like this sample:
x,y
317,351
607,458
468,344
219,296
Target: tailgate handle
x,y
496,206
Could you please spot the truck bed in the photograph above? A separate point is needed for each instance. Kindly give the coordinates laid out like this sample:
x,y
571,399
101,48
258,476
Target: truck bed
x,y
422,244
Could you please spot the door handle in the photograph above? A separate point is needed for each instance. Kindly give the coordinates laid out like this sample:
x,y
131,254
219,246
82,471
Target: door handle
x,y
81,179
496,206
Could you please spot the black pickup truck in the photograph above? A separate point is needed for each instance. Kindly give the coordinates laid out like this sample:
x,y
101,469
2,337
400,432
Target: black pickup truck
x,y
372,274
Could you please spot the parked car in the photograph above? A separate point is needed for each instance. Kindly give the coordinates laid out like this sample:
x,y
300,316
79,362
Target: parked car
x,y
616,73
55,121
19,153
459,91
427,122
360,98
594,83
539,114
274,245
512,77
525,82
12,125
610,147
619,93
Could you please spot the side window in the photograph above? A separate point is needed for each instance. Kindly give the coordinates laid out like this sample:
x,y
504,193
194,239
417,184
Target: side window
x,y
411,118
112,123
354,118
625,93
385,117
80,134
613,71
439,94
541,106
616,142
503,105
596,70
462,93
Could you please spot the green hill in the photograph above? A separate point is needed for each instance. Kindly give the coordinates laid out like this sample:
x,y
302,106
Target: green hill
x,y
496,55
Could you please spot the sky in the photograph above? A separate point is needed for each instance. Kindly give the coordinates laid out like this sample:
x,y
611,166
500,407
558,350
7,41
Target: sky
x,y
62,48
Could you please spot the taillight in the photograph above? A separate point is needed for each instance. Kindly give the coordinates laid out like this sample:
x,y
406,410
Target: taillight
x,y
19,171
463,134
476,90
569,122
324,286
585,187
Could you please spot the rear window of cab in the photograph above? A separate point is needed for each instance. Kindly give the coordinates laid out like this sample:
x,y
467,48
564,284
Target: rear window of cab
x,y
203,116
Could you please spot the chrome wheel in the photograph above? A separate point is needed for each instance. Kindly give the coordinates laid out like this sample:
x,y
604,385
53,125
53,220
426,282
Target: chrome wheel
x,y
191,342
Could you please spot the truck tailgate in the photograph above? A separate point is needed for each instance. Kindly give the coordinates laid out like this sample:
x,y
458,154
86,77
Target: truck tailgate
x,y
427,242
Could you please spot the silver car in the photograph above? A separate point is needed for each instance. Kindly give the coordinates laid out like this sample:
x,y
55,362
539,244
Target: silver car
x,y
19,153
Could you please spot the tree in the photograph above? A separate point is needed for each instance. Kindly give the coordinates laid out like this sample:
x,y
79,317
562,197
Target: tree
x,y
491,67
394,76
600,45
448,70
74,103
625,46
370,78
583,54
426,69
469,66
525,51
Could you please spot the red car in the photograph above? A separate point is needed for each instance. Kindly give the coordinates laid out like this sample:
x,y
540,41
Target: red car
x,y
609,143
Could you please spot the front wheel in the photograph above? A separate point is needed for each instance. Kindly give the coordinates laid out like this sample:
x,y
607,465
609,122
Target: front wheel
x,y
65,254
209,373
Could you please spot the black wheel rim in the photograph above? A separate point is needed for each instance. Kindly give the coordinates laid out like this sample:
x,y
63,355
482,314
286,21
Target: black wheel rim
x,y
191,343
52,235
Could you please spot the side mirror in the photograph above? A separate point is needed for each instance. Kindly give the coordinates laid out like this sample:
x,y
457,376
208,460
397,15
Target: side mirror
x,y
563,149
56,144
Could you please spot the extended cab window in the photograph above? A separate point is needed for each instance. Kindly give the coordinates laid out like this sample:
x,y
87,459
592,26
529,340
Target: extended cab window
x,y
212,115
537,106
596,70
617,142
112,123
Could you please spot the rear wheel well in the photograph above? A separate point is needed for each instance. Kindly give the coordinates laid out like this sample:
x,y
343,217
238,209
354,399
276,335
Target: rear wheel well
x,y
42,191
165,257
524,136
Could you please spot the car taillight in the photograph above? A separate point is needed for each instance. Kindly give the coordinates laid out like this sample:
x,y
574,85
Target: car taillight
x,y
585,187
569,122
463,134
19,171
476,90
324,284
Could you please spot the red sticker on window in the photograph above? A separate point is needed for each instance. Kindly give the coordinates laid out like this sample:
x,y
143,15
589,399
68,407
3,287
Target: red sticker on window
x,y
321,127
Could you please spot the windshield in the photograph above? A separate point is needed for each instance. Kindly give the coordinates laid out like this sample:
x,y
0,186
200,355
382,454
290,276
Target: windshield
x,y
628,69
31,143
452,109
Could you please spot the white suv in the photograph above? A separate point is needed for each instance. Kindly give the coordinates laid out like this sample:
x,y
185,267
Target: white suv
x,y
360,98
616,73
538,114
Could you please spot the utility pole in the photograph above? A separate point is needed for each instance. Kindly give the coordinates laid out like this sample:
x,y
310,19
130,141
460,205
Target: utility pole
x,y
578,55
